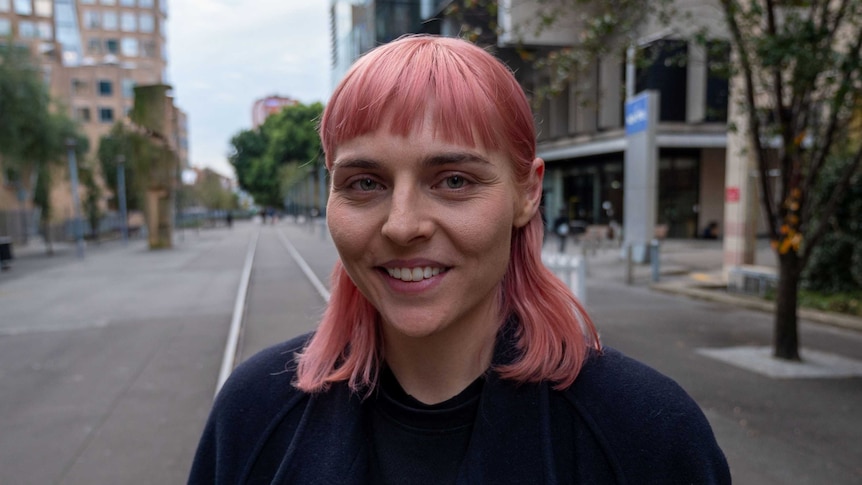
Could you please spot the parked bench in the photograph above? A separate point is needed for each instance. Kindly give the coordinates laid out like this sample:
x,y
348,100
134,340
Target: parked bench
x,y
752,280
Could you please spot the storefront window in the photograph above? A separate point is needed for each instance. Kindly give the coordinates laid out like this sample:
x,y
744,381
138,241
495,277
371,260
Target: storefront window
x,y
678,189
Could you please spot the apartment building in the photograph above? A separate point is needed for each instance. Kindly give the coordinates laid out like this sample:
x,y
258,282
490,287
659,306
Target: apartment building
x,y
265,107
94,52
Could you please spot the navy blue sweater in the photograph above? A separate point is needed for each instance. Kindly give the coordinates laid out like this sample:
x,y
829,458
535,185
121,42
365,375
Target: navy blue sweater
x,y
626,424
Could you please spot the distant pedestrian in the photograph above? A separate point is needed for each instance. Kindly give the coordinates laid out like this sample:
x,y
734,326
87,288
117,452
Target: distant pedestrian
x,y
562,229
229,219
711,230
447,353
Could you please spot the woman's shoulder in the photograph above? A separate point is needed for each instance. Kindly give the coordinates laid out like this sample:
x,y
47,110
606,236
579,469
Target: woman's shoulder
x,y
257,396
615,388
646,419
608,374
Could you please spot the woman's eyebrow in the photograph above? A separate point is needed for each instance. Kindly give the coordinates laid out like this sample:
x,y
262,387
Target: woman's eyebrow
x,y
361,163
446,158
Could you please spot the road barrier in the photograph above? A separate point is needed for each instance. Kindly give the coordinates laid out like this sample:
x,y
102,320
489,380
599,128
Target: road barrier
x,y
571,269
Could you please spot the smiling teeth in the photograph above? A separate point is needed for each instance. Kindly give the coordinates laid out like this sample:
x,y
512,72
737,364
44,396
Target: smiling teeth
x,y
413,274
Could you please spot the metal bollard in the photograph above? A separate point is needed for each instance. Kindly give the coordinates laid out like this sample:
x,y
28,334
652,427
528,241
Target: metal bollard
x,y
629,268
654,259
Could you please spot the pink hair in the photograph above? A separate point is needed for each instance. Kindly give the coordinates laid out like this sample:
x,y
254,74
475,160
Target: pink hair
x,y
476,102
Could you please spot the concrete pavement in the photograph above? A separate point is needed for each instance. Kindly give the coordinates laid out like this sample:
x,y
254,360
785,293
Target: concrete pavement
x,y
108,365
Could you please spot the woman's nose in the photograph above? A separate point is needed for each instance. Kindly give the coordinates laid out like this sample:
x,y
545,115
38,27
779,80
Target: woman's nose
x,y
407,220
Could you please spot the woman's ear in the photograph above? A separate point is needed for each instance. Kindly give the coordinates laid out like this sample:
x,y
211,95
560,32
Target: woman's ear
x,y
531,195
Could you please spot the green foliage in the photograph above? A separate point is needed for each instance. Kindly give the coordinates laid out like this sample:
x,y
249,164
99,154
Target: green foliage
x,y
33,132
149,108
836,263
286,143
844,302
209,192
116,145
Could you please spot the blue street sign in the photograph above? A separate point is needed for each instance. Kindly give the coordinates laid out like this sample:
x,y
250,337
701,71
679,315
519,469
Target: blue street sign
x,y
637,114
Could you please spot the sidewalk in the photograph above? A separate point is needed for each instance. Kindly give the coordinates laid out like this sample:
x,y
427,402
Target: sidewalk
x,y
108,363
693,268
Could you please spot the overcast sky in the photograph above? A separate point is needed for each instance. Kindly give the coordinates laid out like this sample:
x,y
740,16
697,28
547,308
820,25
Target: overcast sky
x,y
225,54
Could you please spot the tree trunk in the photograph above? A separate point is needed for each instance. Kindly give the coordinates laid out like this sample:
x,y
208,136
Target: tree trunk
x,y
786,343
49,244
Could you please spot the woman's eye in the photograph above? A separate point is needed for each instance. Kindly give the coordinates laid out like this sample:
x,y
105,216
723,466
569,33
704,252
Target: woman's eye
x,y
455,182
366,184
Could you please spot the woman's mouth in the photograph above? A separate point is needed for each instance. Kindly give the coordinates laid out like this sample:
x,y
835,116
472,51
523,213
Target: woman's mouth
x,y
414,274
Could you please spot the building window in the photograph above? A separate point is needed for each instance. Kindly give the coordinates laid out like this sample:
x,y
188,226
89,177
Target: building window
x,y
44,30
145,3
106,115
27,29
127,3
4,5
128,88
79,86
109,20
112,46
130,46
717,80
5,27
94,46
665,71
127,22
91,19
146,22
87,2
105,88
108,2
44,8
82,114
150,49
23,7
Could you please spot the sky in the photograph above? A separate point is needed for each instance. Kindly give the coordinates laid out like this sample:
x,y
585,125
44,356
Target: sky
x,y
225,54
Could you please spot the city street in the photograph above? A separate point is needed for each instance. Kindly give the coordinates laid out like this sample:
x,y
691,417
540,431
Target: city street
x,y
108,365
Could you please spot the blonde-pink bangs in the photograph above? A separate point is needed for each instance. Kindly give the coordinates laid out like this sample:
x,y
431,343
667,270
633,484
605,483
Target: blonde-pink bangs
x,y
470,97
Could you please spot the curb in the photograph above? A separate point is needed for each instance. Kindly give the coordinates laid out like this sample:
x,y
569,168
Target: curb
x,y
827,318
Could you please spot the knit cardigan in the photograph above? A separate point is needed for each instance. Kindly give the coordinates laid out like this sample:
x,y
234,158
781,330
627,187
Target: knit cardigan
x,y
632,425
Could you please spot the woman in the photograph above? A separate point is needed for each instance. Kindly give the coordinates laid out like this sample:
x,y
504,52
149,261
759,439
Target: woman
x,y
447,353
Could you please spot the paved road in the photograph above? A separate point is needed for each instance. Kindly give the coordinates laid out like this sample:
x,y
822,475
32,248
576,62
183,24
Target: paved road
x,y
108,365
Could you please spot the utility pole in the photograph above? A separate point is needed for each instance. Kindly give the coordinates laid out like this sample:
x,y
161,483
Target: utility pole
x,y
121,189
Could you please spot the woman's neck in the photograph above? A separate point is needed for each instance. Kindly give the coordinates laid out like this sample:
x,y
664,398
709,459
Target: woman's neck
x,y
435,368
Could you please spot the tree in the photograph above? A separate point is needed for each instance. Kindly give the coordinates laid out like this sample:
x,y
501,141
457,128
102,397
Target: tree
x,y
836,263
33,130
119,144
288,138
210,192
801,68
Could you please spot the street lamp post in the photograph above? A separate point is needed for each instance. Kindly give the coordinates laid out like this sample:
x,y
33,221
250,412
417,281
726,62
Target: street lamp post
x,y
76,201
121,193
